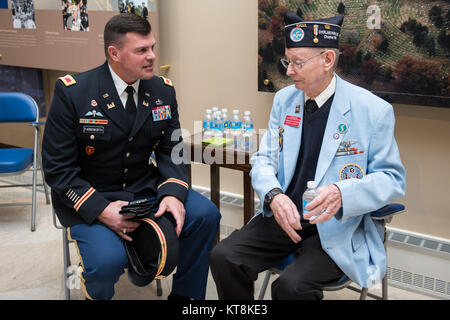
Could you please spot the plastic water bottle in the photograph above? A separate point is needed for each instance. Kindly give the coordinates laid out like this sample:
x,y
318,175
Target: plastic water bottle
x,y
207,124
248,132
308,196
226,123
218,124
236,128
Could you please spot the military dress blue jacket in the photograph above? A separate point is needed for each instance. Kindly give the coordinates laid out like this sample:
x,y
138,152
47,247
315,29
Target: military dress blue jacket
x,y
368,179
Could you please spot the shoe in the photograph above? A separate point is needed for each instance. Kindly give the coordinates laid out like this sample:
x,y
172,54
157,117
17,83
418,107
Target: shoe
x,y
176,297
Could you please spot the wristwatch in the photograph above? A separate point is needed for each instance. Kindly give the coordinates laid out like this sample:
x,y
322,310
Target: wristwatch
x,y
270,195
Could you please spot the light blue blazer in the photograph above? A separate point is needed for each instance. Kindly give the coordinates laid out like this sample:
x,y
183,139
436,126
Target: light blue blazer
x,y
351,238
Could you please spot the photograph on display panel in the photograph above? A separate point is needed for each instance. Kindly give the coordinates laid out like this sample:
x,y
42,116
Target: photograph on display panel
x,y
138,7
26,80
75,15
398,49
23,14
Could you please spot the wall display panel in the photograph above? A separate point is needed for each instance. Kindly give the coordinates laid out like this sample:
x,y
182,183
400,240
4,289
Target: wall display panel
x,y
26,80
61,35
398,49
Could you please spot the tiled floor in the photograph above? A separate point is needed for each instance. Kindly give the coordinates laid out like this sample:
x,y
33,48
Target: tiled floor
x,y
31,265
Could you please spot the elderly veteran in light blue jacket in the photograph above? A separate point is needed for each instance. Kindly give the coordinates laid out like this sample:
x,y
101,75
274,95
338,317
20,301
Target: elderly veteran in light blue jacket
x,y
325,129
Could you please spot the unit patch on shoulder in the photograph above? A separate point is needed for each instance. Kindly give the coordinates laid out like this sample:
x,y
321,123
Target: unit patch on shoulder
x,y
68,80
167,81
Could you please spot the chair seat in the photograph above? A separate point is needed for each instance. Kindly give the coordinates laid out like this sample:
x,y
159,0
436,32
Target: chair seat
x,y
343,282
387,211
15,160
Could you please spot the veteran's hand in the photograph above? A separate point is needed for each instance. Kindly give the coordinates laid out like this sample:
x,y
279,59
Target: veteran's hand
x,y
176,208
325,205
120,224
287,216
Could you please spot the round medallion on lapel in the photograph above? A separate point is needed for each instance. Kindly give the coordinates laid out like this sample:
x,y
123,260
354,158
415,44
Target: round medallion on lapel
x,y
342,127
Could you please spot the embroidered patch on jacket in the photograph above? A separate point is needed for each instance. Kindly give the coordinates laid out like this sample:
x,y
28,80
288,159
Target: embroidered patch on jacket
x,y
351,171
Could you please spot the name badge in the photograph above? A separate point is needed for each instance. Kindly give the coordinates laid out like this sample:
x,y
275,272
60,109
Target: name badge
x,y
96,129
161,113
292,121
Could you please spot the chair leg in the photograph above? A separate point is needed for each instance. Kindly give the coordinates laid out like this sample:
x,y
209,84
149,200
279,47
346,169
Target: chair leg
x,y
363,295
66,258
33,199
262,292
384,288
158,288
47,195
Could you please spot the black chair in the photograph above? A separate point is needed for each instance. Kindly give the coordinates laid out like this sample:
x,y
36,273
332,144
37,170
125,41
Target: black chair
x,y
68,271
384,215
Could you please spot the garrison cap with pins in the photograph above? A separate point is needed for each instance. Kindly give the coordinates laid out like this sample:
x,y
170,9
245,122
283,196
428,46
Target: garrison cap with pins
x,y
154,251
321,33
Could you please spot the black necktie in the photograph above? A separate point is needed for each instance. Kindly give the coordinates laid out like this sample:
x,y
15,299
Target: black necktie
x,y
130,106
311,106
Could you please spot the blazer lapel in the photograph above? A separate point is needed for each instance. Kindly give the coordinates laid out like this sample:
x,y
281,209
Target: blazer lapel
x,y
332,137
292,138
110,101
144,106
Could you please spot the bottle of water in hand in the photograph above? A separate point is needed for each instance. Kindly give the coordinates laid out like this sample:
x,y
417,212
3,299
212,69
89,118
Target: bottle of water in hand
x,y
308,196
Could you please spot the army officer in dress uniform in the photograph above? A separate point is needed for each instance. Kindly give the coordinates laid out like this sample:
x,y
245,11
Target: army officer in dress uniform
x,y
102,128
325,129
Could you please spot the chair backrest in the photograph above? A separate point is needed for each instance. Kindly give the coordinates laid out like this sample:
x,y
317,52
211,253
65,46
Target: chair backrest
x,y
17,107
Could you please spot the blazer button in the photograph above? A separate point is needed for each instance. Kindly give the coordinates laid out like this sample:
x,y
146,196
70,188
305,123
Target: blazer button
x,y
126,170
162,132
127,154
92,137
124,185
130,139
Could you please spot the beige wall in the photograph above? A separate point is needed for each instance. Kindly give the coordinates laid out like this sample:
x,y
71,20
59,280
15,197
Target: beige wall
x,y
212,48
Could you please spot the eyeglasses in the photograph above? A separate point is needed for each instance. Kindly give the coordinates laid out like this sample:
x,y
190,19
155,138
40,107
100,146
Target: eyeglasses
x,y
297,64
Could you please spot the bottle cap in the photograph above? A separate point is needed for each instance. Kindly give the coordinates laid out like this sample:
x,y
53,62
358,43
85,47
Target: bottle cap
x,y
208,111
224,110
247,113
311,184
235,111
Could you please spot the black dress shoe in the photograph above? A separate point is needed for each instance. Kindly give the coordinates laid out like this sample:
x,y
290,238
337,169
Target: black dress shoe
x,y
175,297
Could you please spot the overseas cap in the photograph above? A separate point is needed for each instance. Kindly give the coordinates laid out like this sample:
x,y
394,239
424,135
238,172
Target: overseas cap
x,y
322,33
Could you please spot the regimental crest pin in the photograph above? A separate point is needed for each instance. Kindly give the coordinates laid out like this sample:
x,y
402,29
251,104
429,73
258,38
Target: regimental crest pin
x,y
105,95
111,105
159,102
94,103
90,150
342,127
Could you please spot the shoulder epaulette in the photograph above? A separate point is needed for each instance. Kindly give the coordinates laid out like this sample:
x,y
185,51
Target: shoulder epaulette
x,y
167,81
68,80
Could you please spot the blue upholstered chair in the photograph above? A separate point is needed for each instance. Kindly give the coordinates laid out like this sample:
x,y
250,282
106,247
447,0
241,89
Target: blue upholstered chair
x,y
16,107
384,215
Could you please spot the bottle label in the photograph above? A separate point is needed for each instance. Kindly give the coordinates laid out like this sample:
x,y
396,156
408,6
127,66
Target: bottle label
x,y
206,125
305,203
236,125
248,126
227,124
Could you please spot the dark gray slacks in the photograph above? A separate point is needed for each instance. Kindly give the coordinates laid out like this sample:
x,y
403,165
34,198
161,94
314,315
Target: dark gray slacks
x,y
262,244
